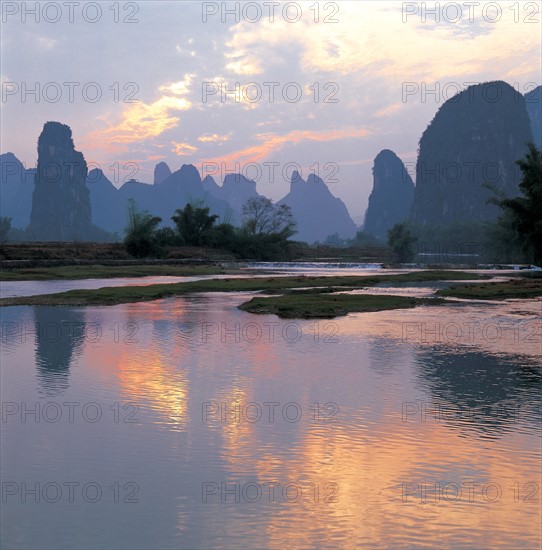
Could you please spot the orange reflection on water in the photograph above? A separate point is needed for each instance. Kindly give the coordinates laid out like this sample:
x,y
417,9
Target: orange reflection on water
x,y
370,470
162,388
374,460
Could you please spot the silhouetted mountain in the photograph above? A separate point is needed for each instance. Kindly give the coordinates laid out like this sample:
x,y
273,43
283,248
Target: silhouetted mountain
x,y
235,190
16,188
161,172
533,102
210,185
475,138
186,180
391,198
317,212
110,205
108,210
61,202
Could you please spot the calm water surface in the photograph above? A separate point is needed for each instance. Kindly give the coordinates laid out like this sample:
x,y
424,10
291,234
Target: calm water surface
x,y
186,423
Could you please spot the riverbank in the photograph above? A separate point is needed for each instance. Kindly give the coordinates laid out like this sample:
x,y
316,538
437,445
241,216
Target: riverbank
x,y
322,287
101,271
303,297
519,288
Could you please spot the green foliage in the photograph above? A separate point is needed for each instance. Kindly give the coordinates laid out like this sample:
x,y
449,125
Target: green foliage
x,y
263,236
5,227
166,236
193,224
262,247
223,235
401,240
141,240
501,242
524,214
227,217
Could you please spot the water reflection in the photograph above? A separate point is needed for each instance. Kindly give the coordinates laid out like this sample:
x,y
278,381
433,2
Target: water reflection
x,y
155,356
488,393
386,356
59,334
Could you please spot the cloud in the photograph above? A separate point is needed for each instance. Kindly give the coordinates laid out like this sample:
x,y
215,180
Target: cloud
x,y
272,142
180,88
213,138
183,149
46,42
372,36
386,111
142,121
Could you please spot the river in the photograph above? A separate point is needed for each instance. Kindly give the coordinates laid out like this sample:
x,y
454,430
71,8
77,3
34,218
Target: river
x,y
187,423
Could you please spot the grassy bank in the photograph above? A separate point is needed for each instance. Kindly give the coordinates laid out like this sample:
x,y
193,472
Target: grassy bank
x,y
107,271
521,288
300,305
277,285
299,297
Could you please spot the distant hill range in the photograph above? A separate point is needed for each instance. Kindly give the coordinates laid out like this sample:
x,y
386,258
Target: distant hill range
x,y
318,213
16,189
473,140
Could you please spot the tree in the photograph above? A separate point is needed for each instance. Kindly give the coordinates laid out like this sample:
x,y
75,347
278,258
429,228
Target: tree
x,y
194,224
140,237
526,211
223,235
5,227
262,217
400,239
165,236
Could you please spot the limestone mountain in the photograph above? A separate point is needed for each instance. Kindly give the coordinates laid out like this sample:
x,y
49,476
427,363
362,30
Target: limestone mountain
x,y
236,189
110,205
391,198
161,172
16,189
533,102
61,201
108,210
316,210
210,186
474,139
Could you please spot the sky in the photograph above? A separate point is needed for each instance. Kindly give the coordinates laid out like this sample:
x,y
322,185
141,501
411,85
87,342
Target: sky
x,y
260,88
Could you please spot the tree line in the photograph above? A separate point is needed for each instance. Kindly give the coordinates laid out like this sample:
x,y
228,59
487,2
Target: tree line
x,y
264,233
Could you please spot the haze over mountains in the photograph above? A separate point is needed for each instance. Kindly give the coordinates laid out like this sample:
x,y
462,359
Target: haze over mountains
x,y
474,139
317,212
